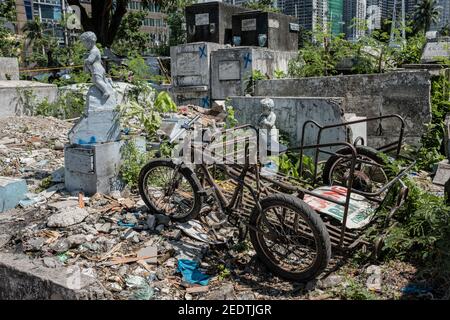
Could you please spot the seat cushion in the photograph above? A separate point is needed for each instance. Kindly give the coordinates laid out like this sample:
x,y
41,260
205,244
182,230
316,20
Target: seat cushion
x,y
360,212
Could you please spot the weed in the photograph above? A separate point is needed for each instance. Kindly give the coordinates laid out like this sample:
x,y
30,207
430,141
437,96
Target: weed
x,y
133,160
355,291
224,272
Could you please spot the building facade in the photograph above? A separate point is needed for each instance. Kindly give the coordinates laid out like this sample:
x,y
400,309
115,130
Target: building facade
x,y
311,14
355,13
336,16
50,13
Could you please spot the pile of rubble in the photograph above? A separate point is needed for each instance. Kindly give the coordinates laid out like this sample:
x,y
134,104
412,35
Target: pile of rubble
x,y
32,148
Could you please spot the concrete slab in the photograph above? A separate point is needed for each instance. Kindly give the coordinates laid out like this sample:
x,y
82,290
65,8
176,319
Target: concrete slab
x,y
435,51
24,279
12,190
16,96
442,173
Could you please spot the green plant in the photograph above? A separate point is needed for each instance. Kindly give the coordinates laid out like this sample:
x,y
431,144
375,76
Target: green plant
x,y
133,160
164,103
223,271
130,39
69,104
230,120
256,75
355,291
279,74
430,151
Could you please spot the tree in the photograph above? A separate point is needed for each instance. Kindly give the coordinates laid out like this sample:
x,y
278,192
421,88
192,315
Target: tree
x,y
34,32
8,10
129,38
106,17
426,12
263,5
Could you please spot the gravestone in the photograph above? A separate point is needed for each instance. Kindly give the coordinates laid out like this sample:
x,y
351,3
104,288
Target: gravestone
x,y
232,68
210,22
271,30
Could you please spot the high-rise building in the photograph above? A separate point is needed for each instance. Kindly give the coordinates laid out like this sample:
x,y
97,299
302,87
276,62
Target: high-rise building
x,y
336,16
355,12
312,14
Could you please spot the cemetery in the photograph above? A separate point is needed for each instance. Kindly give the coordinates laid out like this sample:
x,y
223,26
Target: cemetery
x,y
252,165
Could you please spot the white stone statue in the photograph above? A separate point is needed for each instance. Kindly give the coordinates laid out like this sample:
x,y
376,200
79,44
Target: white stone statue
x,y
100,121
93,64
268,117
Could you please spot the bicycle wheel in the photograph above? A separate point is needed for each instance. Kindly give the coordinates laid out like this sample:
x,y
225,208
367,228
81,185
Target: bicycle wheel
x,y
367,176
290,238
170,191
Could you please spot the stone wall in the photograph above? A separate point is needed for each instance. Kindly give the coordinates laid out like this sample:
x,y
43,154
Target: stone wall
x,y
406,93
13,96
9,69
292,112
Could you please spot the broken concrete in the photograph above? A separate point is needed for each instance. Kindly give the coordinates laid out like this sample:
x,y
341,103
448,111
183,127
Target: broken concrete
x,y
67,217
94,168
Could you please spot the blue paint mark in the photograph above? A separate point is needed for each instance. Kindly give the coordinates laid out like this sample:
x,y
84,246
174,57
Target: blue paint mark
x,y
92,140
205,102
202,51
247,60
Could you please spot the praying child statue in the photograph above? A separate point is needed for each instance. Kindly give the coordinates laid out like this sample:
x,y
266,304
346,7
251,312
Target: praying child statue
x,y
267,118
93,64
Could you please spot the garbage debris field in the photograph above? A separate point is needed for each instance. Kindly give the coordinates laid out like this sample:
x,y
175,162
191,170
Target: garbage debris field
x,y
128,253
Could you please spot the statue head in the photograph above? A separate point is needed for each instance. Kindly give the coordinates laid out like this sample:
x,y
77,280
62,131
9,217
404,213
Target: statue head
x,y
88,39
267,106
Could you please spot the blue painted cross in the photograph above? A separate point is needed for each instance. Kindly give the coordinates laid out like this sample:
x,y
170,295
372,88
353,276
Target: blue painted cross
x,y
205,102
202,51
247,60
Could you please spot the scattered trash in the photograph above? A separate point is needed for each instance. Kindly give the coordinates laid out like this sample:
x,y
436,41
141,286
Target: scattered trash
x,y
196,231
191,272
142,290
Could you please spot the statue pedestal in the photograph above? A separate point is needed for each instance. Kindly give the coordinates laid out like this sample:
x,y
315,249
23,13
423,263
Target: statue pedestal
x,y
92,158
92,168
100,122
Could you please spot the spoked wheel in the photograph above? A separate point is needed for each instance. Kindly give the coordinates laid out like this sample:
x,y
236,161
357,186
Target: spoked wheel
x,y
170,190
369,172
290,238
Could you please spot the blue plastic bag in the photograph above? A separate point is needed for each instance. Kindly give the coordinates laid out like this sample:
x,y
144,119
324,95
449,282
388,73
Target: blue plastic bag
x,y
191,273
